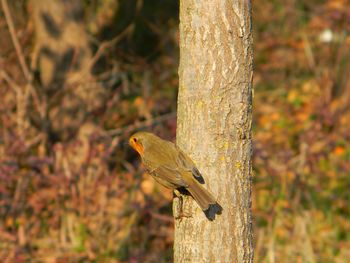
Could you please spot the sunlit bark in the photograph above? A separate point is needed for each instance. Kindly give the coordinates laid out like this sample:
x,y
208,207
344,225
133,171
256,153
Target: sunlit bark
x,y
214,128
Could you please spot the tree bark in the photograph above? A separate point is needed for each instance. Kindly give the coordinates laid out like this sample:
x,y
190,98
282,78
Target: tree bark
x,y
214,128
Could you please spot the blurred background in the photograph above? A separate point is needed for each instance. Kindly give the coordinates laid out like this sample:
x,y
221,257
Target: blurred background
x,y
76,79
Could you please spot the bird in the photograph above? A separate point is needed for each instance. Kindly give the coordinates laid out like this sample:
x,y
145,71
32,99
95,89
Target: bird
x,y
172,168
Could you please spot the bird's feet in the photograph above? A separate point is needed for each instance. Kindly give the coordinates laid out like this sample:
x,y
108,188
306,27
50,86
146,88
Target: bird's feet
x,y
178,207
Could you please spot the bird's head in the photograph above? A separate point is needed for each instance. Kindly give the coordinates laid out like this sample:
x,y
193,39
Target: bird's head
x,y
140,141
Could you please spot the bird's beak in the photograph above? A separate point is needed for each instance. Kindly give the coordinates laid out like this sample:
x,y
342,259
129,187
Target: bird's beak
x,y
137,146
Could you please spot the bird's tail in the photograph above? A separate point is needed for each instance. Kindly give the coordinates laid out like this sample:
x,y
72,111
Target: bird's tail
x,y
204,199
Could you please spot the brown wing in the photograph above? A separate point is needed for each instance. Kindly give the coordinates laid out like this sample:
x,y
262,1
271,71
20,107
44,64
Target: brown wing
x,y
168,177
188,164
166,163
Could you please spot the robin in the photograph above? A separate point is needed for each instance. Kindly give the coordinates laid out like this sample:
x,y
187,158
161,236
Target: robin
x,y
172,168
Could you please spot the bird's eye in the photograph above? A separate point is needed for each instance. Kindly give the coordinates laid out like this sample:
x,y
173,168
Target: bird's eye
x,y
134,139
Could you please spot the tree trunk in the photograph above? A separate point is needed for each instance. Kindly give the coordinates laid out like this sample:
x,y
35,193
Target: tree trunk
x,y
214,128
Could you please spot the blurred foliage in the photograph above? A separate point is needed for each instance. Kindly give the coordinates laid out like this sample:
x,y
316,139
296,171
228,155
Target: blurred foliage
x,y
301,138
88,200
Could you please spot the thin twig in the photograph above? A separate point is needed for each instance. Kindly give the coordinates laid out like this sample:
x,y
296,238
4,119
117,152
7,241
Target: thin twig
x,y
108,44
15,41
142,124
308,51
5,76
22,62
165,218
20,100
102,48
37,139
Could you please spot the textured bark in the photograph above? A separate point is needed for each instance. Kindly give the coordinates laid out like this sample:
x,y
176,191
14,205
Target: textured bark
x,y
214,128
